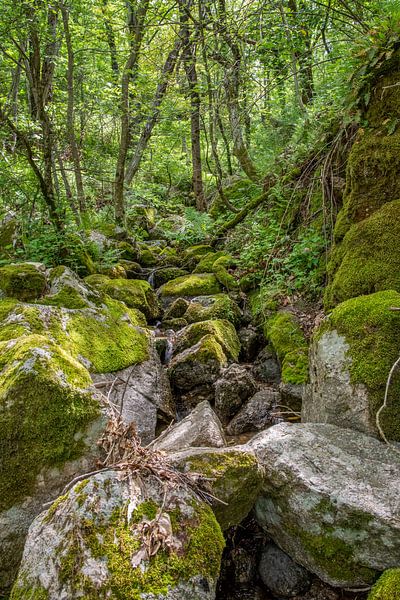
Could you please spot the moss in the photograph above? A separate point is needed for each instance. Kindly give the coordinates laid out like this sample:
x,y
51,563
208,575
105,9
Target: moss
x,y
116,542
23,281
45,403
373,334
235,479
111,339
223,332
207,262
220,306
67,297
290,345
225,278
26,593
147,257
196,252
135,293
191,285
165,274
368,259
387,587
175,323
128,251
53,508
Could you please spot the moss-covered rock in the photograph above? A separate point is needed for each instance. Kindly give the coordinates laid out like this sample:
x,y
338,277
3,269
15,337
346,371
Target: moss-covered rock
x,y
108,338
8,228
135,293
387,587
219,306
165,274
68,291
45,402
196,252
191,285
207,262
368,259
234,475
223,331
200,364
90,544
25,281
290,345
351,356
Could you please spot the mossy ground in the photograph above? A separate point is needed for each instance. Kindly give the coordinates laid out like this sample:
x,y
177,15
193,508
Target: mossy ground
x,y
289,343
372,331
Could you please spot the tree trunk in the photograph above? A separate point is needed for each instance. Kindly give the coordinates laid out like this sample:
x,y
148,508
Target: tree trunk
x,y
70,111
189,63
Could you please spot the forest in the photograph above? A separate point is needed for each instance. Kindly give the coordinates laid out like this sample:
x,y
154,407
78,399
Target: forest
x,y
199,299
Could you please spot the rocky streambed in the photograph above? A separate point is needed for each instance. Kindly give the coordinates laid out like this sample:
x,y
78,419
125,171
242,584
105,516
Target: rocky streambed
x,y
230,495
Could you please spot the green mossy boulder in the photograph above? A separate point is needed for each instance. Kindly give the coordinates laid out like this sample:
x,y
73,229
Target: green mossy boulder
x,y
219,306
148,255
368,258
109,515
165,274
222,330
351,356
208,261
45,403
199,365
191,285
25,281
235,478
108,338
68,291
287,338
135,293
387,587
197,252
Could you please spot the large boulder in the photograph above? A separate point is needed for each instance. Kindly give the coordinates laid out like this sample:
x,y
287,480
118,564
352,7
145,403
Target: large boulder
x,y
234,475
190,285
223,332
232,389
219,306
25,281
141,393
351,356
200,428
69,291
330,500
199,365
122,537
256,413
136,293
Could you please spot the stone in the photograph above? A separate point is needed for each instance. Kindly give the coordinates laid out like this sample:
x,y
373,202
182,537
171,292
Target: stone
x,y
292,395
200,428
235,479
177,309
190,286
218,306
266,367
351,356
25,281
165,274
135,293
232,389
250,340
142,393
107,513
330,499
8,230
255,415
282,576
199,365
220,329
69,291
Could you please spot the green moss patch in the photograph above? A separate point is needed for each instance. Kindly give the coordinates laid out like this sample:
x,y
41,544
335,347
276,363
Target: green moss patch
x,y
368,259
23,281
191,285
44,402
372,332
219,306
290,345
223,332
387,587
135,293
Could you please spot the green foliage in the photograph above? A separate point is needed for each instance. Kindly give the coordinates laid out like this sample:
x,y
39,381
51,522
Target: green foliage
x,y
195,227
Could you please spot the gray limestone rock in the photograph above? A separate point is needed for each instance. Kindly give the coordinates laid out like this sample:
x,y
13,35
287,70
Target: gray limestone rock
x,y
232,389
331,500
281,574
200,428
255,415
